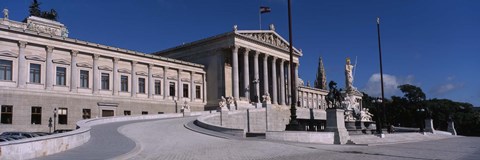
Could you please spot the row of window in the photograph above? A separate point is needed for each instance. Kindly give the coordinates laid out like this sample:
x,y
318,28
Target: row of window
x,y
62,113
61,76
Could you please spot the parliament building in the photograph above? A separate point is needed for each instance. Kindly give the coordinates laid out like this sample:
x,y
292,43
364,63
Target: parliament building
x,y
45,74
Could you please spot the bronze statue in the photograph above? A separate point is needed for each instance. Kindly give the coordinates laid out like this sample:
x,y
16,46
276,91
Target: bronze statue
x,y
334,97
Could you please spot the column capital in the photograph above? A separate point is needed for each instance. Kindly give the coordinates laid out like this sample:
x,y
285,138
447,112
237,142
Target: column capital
x,y
150,66
134,63
116,59
165,67
74,53
96,56
49,49
235,47
22,44
247,50
274,58
256,53
282,60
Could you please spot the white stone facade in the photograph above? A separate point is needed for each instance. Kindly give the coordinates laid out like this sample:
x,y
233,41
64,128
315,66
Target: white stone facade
x,y
82,79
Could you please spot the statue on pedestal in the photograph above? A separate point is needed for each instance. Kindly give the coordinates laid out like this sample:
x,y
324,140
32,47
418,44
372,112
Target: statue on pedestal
x,y
185,107
334,97
266,98
349,76
365,115
5,14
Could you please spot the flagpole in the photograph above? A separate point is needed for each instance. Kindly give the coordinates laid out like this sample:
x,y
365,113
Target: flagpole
x,y
381,75
293,125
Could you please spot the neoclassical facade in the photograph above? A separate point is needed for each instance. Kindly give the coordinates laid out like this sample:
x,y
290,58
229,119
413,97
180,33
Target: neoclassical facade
x,y
243,64
42,71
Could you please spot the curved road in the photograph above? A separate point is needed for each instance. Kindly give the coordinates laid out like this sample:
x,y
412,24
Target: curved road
x,y
169,139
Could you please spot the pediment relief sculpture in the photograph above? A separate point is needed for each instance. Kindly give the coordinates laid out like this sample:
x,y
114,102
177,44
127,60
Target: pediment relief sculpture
x,y
269,38
35,58
8,53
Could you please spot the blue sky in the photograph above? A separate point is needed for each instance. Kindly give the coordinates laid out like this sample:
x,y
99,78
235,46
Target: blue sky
x,y
434,44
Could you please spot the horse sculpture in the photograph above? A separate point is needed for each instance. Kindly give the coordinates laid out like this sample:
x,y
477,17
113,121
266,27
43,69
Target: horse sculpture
x,y
334,97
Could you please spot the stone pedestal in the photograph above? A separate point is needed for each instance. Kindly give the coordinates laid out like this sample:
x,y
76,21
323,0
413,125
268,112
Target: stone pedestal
x,y
336,124
451,128
186,113
429,126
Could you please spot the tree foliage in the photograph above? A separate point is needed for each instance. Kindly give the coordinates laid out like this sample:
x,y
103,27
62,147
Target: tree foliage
x,y
402,111
34,10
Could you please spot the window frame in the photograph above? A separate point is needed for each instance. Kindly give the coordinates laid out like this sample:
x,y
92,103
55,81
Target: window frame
x,y
36,115
62,77
123,82
198,91
186,90
158,87
141,85
7,70
35,74
105,84
84,78
86,116
62,115
172,92
6,111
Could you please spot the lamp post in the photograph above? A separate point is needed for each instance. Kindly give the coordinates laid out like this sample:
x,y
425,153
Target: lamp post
x,y
381,68
379,114
54,119
293,124
50,124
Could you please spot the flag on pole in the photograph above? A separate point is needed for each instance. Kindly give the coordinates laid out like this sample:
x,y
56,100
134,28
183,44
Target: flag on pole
x,y
265,9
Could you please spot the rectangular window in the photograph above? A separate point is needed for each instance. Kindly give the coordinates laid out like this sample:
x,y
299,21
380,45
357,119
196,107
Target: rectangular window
x,y
5,70
62,115
6,114
141,85
83,79
61,76
172,89
158,87
124,83
36,115
86,113
34,73
105,81
198,91
144,112
126,112
185,91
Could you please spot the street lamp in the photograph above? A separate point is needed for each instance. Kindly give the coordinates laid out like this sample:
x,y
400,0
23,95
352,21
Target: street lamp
x,y
293,125
54,119
50,124
421,117
379,119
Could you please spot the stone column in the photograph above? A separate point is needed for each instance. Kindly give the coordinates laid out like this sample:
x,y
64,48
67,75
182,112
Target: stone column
x,y
134,80
289,79
192,87
246,77
96,74
150,81
166,92
179,86
115,76
204,88
22,62
274,80
73,71
236,91
256,76
265,74
282,82
296,74
49,69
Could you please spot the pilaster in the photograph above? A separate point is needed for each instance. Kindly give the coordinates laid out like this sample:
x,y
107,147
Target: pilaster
x,y
115,77
96,74
274,80
22,69
246,77
150,81
73,71
49,68
134,83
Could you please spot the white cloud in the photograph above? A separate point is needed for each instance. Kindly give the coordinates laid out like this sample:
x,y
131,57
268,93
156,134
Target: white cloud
x,y
445,88
390,84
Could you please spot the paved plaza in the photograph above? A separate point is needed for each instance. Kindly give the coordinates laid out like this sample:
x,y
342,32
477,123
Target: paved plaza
x,y
170,139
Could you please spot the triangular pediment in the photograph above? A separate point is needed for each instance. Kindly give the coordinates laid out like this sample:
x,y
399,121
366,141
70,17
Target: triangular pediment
x,y
268,37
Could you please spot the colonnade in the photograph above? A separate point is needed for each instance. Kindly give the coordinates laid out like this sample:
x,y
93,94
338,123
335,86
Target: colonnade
x,y
312,98
275,70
